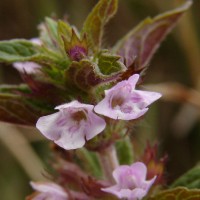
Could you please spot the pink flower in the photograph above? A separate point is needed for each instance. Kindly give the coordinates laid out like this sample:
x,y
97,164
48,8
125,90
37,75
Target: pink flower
x,y
48,191
27,67
72,125
131,182
124,102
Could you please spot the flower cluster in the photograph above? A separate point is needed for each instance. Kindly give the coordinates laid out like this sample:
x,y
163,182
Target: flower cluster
x,y
76,122
94,91
131,184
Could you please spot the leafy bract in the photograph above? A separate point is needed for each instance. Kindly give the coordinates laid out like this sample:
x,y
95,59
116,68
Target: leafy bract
x,y
109,64
190,179
179,193
86,74
18,50
96,20
140,44
82,75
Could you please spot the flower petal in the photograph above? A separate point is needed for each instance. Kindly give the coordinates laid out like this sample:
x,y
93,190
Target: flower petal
x,y
96,125
72,140
50,188
27,67
119,172
133,80
139,169
49,126
148,97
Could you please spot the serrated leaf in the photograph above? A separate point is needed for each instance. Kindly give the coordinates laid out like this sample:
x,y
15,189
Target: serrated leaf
x,y
24,50
18,50
179,193
52,63
109,64
96,20
141,43
190,179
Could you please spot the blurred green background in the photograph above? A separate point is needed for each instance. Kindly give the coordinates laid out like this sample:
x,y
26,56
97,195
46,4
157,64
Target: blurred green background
x,y
174,70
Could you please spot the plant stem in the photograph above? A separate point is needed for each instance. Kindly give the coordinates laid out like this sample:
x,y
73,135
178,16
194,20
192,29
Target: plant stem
x,y
109,161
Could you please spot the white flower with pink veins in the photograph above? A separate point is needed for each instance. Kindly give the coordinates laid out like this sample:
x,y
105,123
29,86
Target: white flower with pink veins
x,y
72,125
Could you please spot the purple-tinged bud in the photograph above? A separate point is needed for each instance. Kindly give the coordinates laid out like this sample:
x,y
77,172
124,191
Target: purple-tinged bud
x,y
76,48
76,53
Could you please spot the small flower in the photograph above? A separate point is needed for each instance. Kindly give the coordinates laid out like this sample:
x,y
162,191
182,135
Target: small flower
x,y
48,191
27,67
72,125
131,182
124,102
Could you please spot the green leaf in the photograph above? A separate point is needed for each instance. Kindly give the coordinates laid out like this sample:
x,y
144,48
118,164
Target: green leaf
x,y
96,20
22,88
13,109
19,105
52,27
52,62
190,179
140,44
109,64
179,193
18,50
125,151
